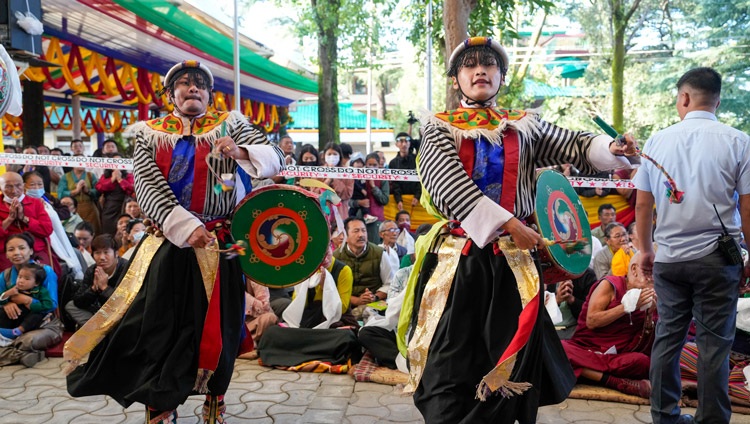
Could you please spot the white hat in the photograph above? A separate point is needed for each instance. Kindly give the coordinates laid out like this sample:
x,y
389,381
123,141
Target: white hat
x,y
189,64
481,41
356,156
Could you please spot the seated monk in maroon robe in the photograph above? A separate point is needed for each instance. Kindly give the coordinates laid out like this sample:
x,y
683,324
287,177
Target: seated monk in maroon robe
x,y
612,346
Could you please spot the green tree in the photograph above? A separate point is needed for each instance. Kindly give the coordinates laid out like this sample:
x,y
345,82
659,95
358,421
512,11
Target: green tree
x,y
672,37
719,38
385,82
614,27
326,17
347,35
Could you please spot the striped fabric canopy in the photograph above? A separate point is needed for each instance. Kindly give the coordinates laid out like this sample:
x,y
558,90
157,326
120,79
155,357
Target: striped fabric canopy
x,y
155,34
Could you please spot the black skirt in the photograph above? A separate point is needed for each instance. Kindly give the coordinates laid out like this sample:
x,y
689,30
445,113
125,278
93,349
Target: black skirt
x,y
479,322
151,357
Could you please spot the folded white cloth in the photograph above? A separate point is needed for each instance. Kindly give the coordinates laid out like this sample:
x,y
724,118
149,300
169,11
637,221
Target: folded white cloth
x,y
550,303
630,300
4,341
331,301
743,314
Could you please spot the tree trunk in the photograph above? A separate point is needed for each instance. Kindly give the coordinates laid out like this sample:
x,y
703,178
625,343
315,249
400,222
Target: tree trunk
x,y
456,21
618,71
327,19
620,19
382,107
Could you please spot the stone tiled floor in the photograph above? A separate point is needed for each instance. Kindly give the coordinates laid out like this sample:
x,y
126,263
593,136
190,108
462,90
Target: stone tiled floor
x,y
261,395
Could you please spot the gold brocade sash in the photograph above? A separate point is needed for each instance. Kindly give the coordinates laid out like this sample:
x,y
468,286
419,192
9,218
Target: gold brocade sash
x,y
527,280
208,262
434,301
432,306
109,315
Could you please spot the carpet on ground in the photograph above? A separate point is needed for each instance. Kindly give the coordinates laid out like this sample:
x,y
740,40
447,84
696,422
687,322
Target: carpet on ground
x,y
589,392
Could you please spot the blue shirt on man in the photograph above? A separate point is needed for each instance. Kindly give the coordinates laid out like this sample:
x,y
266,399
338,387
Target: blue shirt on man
x,y
709,162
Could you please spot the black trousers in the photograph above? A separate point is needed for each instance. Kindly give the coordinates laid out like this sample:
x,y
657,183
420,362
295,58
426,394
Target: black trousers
x,y
478,324
381,343
151,357
27,319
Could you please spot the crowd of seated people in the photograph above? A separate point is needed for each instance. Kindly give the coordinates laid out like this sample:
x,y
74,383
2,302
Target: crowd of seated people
x,y
68,217
361,292
366,273
86,224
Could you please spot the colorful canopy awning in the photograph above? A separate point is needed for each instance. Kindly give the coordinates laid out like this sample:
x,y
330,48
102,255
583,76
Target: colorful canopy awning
x,y
156,34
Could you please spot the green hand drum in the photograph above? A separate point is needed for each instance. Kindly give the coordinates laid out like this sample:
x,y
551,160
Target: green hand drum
x,y
560,216
286,234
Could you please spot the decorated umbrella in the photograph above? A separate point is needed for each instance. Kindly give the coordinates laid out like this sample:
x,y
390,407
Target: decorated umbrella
x,y
10,86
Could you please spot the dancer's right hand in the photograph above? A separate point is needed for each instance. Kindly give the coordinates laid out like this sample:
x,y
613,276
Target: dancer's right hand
x,y
523,236
200,238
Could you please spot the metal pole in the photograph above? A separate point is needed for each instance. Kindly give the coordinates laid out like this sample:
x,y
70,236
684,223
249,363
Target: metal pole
x,y
75,105
369,108
236,56
428,68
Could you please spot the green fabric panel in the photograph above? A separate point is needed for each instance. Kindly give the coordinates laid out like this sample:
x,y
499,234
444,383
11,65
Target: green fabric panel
x,y
306,117
178,23
421,248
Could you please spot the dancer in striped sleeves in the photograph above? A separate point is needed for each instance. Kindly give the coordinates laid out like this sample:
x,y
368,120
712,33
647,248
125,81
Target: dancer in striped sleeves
x,y
482,348
174,326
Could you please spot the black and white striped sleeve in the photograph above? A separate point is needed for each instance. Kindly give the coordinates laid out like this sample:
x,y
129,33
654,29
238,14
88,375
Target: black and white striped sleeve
x,y
453,192
265,160
586,151
156,198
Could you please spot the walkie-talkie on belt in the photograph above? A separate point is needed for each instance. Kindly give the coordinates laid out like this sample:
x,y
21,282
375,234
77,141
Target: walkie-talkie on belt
x,y
728,245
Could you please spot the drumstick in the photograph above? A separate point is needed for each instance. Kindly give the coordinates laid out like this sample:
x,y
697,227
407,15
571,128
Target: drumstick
x,y
571,246
673,194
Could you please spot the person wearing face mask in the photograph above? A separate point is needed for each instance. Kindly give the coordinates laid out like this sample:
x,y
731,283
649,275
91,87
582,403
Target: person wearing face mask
x,y
99,281
58,240
19,213
43,171
135,230
81,184
344,188
34,184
